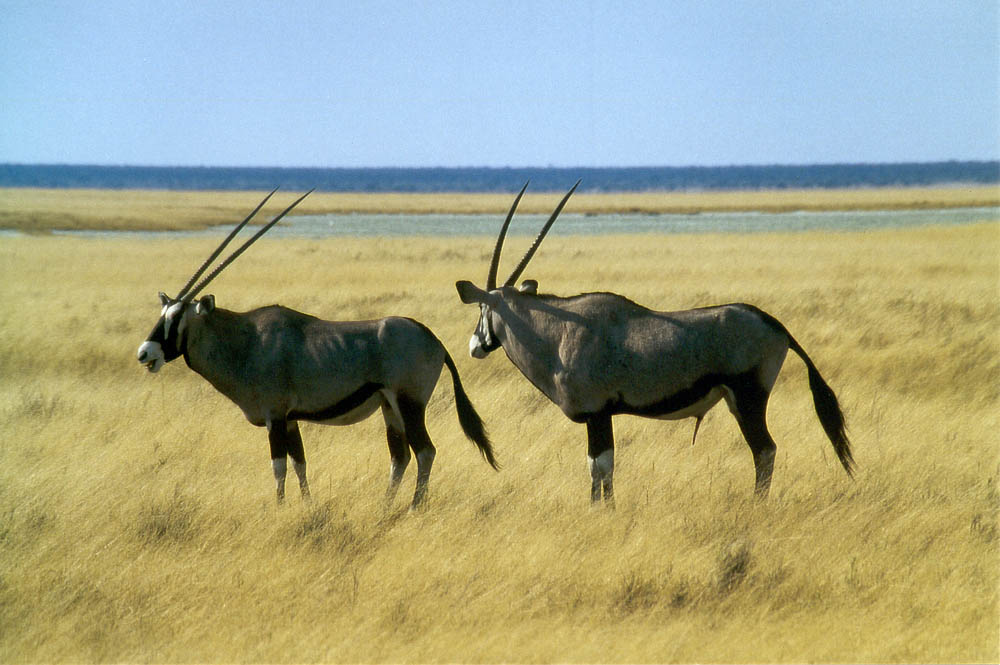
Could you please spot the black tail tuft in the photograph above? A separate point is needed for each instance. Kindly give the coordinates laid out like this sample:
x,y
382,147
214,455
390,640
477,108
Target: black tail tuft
x,y
468,418
824,399
828,410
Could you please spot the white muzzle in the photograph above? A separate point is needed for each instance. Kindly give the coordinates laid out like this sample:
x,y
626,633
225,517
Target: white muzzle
x,y
476,348
150,354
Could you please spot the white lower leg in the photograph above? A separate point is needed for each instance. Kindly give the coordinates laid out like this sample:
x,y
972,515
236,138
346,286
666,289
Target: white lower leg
x,y
300,471
280,467
603,465
398,468
602,471
425,460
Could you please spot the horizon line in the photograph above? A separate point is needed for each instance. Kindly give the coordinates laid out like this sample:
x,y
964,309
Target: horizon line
x,y
549,167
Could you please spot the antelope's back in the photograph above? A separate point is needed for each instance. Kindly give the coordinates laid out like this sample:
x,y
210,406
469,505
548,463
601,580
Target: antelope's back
x,y
326,358
636,349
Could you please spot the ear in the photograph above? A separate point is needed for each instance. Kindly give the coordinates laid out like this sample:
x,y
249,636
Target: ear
x,y
164,300
529,286
205,305
470,293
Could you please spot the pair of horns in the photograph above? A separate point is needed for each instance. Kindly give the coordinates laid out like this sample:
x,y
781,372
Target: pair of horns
x,y
491,277
188,295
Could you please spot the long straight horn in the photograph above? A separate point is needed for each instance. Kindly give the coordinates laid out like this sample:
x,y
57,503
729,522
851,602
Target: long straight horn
x,y
538,240
491,277
232,257
218,250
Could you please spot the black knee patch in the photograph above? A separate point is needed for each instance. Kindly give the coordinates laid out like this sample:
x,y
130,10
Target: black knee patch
x,y
600,435
285,440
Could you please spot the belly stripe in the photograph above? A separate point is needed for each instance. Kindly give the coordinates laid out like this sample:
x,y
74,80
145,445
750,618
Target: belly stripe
x,y
344,406
686,397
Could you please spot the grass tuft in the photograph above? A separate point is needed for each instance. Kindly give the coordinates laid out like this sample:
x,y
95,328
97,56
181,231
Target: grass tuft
x,y
168,521
635,593
733,566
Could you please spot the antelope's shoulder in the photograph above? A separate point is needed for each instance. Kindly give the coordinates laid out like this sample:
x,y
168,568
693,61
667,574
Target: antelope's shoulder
x,y
600,304
278,313
715,314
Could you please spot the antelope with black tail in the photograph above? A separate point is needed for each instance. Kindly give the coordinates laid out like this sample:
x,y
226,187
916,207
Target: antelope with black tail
x,y
597,355
281,367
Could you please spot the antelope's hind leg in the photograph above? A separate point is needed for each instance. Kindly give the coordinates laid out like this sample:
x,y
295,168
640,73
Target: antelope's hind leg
x,y
412,412
399,450
749,404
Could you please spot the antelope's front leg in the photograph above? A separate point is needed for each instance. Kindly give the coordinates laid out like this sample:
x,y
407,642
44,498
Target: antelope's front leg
x,y
280,467
601,459
298,455
285,441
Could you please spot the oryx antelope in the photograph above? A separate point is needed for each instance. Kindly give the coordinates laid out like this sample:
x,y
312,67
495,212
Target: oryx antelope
x,y
281,366
597,355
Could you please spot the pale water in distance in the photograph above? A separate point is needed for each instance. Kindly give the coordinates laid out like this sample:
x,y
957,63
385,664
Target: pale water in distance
x,y
313,226
570,224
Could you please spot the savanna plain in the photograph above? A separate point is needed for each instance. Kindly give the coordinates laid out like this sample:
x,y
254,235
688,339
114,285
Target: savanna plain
x,y
137,512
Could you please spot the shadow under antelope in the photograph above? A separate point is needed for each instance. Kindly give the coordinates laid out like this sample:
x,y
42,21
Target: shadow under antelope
x,y
281,367
597,355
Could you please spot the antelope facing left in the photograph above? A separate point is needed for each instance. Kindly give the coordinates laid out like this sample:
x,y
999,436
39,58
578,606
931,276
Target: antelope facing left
x,y
597,355
281,367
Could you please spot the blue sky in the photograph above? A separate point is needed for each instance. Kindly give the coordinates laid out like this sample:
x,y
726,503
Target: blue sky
x,y
428,83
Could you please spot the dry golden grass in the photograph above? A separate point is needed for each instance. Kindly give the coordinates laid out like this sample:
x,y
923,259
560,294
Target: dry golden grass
x,y
137,520
45,209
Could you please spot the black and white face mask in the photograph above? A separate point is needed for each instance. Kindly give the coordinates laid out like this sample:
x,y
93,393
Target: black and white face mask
x,y
483,340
